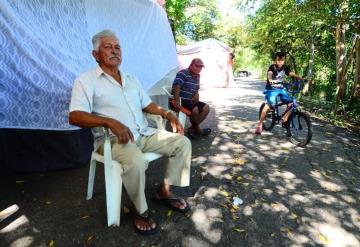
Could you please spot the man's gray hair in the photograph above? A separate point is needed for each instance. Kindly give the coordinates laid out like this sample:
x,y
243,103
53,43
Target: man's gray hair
x,y
96,39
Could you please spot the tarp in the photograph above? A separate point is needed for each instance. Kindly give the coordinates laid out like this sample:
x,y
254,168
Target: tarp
x,y
44,45
218,71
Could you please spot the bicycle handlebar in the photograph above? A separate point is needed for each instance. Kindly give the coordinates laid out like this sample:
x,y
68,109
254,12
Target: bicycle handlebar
x,y
294,87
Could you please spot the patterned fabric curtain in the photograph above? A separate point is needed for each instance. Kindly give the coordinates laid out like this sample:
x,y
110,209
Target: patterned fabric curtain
x,y
44,45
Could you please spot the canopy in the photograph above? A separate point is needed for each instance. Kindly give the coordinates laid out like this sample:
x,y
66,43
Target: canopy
x,y
46,44
216,55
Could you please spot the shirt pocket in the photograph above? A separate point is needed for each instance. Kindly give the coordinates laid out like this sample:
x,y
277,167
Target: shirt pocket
x,y
108,96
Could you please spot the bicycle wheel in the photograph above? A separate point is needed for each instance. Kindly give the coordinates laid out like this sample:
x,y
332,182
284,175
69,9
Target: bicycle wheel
x,y
299,129
269,120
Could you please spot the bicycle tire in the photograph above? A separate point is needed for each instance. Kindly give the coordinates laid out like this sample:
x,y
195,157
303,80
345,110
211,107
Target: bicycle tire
x,y
269,120
299,129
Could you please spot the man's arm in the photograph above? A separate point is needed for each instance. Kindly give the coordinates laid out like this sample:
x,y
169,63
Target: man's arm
x,y
269,76
88,120
155,109
176,93
293,75
195,98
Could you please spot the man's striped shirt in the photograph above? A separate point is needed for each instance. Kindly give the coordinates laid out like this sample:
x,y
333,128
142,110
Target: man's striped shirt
x,y
189,84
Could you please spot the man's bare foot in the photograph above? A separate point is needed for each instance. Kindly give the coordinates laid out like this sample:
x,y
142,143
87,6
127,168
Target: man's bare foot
x,y
143,223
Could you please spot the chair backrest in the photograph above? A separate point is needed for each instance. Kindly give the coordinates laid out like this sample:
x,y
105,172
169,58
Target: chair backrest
x,y
167,90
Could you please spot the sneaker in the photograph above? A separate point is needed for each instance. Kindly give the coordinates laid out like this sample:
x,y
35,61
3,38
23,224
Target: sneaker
x,y
258,130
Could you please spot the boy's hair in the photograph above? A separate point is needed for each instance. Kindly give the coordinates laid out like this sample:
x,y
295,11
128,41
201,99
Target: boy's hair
x,y
280,54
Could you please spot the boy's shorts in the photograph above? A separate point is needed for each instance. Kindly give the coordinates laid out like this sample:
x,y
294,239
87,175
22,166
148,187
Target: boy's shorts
x,y
271,95
187,105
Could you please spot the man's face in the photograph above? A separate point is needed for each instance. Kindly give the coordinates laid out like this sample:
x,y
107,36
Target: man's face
x,y
109,53
196,67
279,61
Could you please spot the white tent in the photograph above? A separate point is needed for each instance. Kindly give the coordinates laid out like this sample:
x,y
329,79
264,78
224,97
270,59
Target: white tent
x,y
44,45
218,71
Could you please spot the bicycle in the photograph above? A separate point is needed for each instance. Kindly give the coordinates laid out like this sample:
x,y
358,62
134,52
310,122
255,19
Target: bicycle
x,y
298,126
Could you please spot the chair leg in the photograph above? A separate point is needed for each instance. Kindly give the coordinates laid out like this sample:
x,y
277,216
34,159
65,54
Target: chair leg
x,y
92,171
113,184
182,118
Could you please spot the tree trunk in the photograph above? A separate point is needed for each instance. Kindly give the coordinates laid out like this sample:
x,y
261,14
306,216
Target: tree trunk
x,y
293,62
355,92
341,53
309,74
340,62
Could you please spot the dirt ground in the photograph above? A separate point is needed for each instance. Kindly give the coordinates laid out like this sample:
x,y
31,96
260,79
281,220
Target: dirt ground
x,y
291,196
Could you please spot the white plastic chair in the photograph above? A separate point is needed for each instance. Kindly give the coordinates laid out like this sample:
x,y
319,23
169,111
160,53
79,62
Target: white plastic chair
x,y
113,172
181,115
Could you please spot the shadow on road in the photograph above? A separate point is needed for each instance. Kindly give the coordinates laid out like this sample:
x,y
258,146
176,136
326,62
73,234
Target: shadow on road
x,y
291,196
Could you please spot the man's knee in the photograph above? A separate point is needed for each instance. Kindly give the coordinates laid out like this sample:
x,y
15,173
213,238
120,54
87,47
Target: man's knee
x,y
183,142
195,111
131,161
206,108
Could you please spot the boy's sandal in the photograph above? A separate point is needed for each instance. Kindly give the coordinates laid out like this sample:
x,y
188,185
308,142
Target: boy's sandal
x,y
206,132
147,219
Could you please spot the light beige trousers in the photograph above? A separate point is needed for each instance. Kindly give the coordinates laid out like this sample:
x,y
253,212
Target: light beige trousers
x,y
176,148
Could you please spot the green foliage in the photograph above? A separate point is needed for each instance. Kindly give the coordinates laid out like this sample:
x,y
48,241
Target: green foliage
x,y
292,26
176,14
202,16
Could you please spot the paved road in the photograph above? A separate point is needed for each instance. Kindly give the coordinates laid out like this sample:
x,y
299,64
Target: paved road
x,y
291,196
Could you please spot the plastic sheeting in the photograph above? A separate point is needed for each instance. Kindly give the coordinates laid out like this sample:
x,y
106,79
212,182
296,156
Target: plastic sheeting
x,y
218,71
44,45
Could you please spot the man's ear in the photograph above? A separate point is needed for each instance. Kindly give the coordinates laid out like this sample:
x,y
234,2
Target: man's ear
x,y
95,55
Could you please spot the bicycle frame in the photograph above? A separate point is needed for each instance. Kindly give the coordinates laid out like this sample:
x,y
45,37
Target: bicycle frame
x,y
294,102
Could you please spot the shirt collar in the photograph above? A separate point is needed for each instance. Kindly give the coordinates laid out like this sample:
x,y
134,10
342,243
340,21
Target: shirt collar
x,y
99,72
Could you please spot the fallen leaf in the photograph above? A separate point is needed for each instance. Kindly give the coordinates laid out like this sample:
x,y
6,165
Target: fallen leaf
x,y
51,243
126,210
324,239
239,161
287,230
90,238
239,230
224,193
169,213
234,217
293,216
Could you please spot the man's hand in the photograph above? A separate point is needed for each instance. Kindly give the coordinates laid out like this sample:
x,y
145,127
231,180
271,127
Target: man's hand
x,y
175,124
176,106
122,132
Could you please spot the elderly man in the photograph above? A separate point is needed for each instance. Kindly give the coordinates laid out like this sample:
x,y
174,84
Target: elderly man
x,y
186,86
107,97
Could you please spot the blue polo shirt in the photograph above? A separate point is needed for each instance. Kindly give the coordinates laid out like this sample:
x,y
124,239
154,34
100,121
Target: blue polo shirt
x,y
189,83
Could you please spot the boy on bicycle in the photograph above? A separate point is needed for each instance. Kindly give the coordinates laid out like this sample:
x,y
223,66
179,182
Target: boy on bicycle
x,y
274,87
